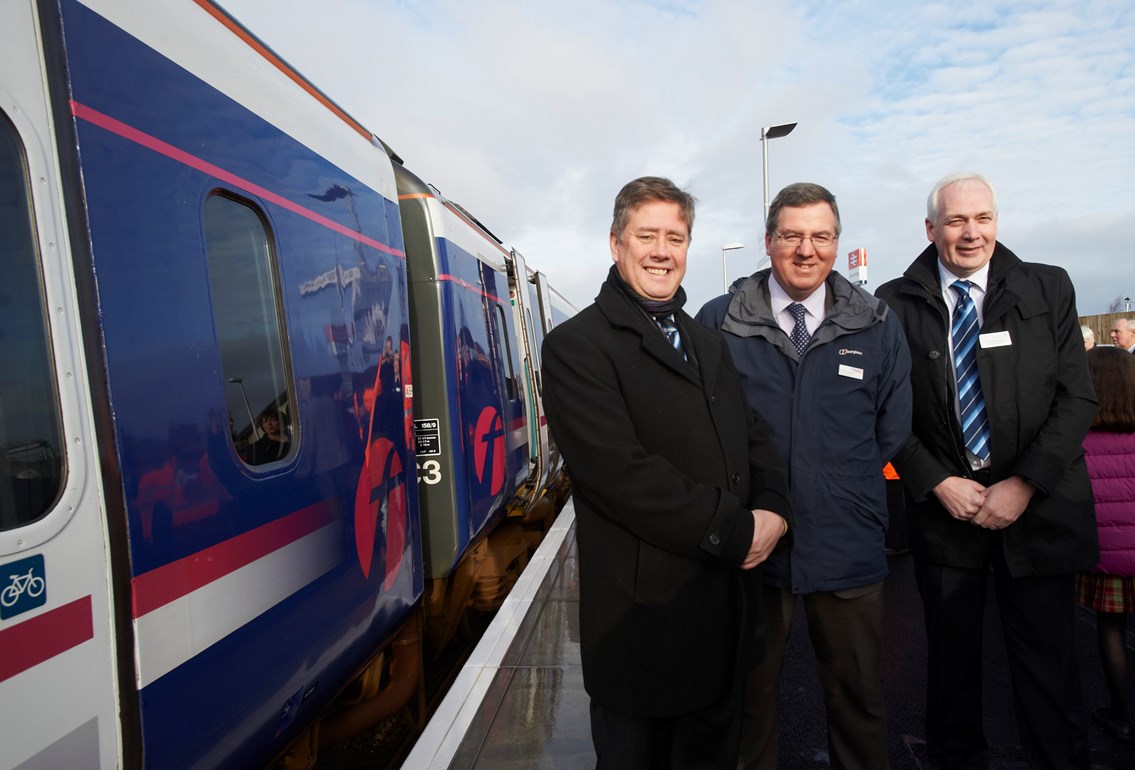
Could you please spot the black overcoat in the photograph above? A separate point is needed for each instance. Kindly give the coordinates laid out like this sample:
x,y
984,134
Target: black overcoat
x,y
666,462
1040,401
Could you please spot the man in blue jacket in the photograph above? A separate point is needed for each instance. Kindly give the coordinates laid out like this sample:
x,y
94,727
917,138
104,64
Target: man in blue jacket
x,y
826,365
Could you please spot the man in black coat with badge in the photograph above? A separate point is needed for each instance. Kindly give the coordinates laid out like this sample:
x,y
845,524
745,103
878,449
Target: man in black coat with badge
x,y
678,491
997,488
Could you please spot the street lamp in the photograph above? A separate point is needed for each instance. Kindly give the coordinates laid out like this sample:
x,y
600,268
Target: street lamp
x,y
239,382
771,132
725,270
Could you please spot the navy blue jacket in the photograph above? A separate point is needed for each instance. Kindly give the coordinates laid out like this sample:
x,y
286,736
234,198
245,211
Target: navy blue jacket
x,y
837,415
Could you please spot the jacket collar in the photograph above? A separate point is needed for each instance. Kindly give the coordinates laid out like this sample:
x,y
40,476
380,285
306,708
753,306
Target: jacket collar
x,y
924,269
621,313
999,291
750,312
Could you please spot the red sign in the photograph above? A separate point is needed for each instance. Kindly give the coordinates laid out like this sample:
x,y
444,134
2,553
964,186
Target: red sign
x,y
488,449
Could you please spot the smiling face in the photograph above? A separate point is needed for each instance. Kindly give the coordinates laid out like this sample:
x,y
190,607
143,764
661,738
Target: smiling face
x,y
650,253
801,268
965,230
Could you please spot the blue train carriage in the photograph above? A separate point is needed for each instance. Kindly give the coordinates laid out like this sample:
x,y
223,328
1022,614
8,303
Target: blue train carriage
x,y
208,351
208,515
489,482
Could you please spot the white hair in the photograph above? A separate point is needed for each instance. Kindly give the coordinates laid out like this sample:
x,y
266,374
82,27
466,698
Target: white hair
x,y
933,202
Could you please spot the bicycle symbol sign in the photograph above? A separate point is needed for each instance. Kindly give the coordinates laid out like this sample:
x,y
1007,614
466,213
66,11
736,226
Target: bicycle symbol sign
x,y
24,586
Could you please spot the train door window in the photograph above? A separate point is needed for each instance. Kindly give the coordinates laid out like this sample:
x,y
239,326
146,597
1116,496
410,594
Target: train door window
x,y
501,331
246,312
535,342
31,437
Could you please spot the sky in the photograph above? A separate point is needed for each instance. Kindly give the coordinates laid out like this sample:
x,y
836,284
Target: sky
x,y
532,115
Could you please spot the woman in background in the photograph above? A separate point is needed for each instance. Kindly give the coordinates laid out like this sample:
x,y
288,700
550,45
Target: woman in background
x,y
1109,589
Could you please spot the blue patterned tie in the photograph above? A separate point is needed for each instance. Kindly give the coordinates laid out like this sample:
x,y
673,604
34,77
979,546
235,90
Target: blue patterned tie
x,y
670,329
800,335
975,422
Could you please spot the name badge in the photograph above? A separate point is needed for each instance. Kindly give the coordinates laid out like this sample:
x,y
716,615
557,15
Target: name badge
x,y
850,371
994,340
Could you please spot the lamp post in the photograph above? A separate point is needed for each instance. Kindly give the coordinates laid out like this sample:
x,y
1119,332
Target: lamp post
x,y
771,132
239,382
724,269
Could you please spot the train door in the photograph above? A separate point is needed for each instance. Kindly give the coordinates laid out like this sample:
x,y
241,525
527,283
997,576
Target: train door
x,y
544,298
57,656
543,294
540,319
534,407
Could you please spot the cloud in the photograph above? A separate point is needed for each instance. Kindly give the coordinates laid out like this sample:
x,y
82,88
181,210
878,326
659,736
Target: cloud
x,y
533,115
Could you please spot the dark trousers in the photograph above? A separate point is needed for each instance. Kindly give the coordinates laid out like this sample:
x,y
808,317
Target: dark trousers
x,y
706,739
1037,617
846,629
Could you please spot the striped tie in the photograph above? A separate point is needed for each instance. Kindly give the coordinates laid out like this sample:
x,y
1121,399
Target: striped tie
x,y
800,335
670,329
975,422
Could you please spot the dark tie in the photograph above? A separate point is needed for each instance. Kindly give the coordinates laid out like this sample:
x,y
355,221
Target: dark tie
x,y
670,329
800,335
975,422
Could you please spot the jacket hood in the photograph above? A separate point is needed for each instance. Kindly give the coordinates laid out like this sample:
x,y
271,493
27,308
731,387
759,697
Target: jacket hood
x,y
736,285
851,308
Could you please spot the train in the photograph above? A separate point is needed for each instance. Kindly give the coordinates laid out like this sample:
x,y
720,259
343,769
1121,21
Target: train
x,y
270,404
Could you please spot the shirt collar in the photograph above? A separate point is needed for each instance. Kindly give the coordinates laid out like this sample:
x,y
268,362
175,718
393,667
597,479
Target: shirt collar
x,y
979,279
813,303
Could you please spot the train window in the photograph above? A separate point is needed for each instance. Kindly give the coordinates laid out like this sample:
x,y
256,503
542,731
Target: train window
x,y
246,311
31,438
501,331
535,355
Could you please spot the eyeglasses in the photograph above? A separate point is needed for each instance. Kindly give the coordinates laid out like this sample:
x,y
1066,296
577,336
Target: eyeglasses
x,y
819,240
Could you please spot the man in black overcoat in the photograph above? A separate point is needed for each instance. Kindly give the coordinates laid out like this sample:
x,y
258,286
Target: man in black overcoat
x,y
994,471
679,493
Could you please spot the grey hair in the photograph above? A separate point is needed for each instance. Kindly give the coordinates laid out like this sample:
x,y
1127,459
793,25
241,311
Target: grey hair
x,y
797,195
933,201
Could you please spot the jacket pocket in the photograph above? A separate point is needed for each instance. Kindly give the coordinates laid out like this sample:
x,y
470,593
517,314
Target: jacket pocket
x,y
865,492
662,577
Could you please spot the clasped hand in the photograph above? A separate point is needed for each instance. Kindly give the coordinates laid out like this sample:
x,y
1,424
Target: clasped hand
x,y
768,528
993,507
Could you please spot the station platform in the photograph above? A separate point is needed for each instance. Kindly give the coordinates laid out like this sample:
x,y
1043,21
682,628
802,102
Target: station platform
x,y
519,701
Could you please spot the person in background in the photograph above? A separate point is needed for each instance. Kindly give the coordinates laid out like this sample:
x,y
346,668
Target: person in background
x,y
1109,588
1123,334
1089,337
678,492
826,365
274,444
995,475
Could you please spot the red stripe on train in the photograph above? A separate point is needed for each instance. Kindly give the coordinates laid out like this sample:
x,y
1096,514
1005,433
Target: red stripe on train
x,y
45,636
143,139
172,581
